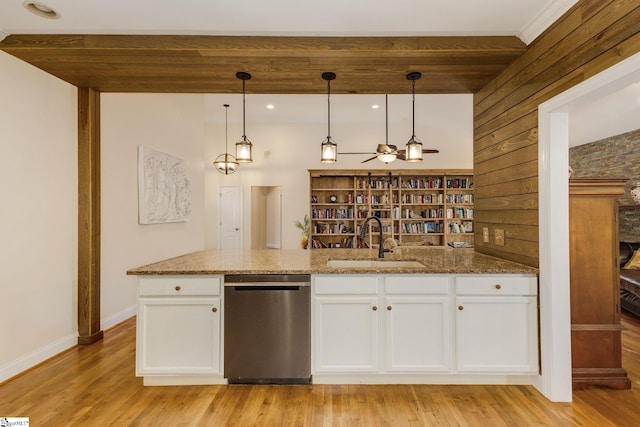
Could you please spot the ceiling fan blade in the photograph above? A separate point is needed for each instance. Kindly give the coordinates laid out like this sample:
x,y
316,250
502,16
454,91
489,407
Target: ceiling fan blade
x,y
401,156
368,160
358,153
427,151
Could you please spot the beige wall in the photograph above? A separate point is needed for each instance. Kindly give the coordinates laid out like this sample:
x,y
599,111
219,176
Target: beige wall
x,y
167,123
38,227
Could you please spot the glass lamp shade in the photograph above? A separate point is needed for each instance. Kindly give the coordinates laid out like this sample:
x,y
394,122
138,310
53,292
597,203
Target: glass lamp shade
x,y
226,164
243,151
329,151
414,150
386,157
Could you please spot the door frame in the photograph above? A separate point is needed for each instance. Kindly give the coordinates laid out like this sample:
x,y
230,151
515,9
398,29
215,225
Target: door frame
x,y
553,197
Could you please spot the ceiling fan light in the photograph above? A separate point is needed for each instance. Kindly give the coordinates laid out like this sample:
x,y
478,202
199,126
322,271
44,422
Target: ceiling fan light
x,y
329,152
226,164
387,157
414,150
243,151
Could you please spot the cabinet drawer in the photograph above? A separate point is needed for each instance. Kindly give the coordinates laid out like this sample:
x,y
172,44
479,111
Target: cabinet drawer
x,y
346,285
179,285
416,284
496,285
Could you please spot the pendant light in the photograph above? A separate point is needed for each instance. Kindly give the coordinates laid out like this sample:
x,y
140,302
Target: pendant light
x,y
414,146
243,147
226,163
329,153
389,157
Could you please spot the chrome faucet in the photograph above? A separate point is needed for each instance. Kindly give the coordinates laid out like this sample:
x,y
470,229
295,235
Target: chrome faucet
x,y
363,232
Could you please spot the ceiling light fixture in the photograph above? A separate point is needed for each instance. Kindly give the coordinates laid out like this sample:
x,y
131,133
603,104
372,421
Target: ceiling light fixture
x,y
386,157
226,163
243,147
40,9
414,146
329,153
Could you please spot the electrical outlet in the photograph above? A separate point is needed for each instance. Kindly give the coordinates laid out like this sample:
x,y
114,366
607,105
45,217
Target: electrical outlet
x,y
485,234
499,237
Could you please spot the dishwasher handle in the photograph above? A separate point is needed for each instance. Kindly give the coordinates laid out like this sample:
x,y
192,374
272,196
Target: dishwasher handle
x,y
268,287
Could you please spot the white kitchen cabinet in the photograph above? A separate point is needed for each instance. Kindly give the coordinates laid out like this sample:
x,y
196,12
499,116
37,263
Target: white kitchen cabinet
x,y
345,324
496,324
417,318
178,326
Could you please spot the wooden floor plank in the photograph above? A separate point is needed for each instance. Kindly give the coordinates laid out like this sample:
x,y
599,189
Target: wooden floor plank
x,y
96,385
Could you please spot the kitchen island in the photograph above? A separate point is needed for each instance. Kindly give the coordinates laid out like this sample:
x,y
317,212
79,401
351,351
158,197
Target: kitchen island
x,y
421,315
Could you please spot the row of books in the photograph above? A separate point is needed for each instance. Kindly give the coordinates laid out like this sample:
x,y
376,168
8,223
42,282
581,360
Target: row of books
x,y
459,198
377,183
331,213
421,198
422,183
330,228
464,227
460,213
459,183
423,227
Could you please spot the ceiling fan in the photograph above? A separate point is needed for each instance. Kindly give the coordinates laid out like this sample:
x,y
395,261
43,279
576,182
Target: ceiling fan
x,y
387,153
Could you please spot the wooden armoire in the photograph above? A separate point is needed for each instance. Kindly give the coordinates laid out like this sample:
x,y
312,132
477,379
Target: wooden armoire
x,y
596,348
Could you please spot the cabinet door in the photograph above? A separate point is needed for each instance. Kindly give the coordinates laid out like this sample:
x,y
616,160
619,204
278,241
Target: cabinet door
x,y
346,334
417,333
496,334
178,335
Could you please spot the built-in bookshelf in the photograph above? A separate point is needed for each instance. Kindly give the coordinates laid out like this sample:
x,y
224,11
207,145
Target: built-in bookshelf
x,y
415,207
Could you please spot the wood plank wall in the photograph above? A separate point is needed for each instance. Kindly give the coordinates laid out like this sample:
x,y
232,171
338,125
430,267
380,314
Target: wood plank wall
x,y
589,38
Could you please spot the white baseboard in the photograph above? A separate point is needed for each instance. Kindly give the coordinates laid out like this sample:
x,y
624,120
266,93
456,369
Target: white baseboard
x,y
119,317
30,360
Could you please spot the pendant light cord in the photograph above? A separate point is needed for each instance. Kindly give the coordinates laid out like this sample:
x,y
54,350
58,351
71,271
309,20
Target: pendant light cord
x,y
244,133
386,117
226,130
413,114
328,110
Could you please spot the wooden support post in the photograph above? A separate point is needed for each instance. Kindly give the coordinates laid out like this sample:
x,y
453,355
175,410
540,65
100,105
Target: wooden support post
x,y
88,216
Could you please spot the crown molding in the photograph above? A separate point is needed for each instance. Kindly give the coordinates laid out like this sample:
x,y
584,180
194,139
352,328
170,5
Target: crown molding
x,y
543,20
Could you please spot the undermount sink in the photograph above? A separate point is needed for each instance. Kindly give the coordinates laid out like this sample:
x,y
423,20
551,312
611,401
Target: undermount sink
x,y
372,263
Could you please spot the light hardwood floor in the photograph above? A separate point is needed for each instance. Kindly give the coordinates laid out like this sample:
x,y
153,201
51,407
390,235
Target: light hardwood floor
x,y
96,386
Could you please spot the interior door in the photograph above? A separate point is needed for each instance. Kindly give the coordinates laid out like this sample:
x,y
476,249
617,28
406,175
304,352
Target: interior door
x,y
230,208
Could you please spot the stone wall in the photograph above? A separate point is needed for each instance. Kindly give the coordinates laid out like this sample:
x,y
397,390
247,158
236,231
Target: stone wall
x,y
615,157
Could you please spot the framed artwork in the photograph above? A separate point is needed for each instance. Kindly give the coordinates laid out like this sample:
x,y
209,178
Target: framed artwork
x,y
163,187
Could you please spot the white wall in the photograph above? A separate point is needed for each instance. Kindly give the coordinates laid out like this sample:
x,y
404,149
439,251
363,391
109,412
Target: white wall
x,y
169,123
283,153
38,215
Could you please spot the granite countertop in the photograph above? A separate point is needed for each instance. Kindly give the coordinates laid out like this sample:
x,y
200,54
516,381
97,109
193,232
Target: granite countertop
x,y
436,260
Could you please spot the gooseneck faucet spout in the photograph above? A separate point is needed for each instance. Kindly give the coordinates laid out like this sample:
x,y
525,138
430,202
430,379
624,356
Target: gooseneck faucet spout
x,y
363,232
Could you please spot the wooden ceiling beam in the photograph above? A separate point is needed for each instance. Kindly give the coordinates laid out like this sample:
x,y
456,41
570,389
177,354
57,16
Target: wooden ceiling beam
x,y
136,63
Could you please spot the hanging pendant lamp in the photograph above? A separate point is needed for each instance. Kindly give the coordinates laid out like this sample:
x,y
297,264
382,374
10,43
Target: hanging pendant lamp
x,y
243,147
414,146
226,163
329,153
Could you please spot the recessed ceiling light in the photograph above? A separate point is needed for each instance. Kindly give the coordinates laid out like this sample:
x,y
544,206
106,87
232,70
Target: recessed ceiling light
x,y
40,9
375,106
270,106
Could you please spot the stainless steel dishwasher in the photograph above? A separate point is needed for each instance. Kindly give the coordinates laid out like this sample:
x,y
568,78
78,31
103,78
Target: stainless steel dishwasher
x,y
267,329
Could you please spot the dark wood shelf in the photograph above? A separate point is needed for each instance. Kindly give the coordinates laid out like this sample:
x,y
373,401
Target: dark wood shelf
x,y
628,207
